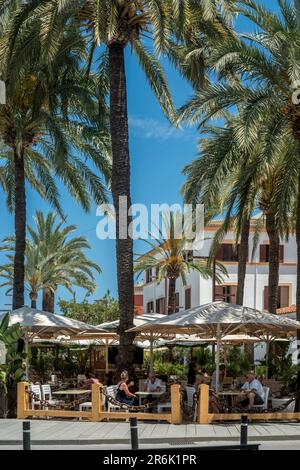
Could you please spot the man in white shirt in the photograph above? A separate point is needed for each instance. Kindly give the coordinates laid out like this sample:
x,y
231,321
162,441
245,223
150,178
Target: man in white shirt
x,y
252,392
153,384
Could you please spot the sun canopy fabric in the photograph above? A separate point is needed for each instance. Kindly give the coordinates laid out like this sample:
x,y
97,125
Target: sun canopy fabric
x,y
193,340
221,318
46,324
137,321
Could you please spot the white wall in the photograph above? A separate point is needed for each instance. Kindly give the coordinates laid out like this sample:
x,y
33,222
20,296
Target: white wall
x,y
255,274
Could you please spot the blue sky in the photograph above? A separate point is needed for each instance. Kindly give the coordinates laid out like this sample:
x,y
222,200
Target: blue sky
x,y
158,155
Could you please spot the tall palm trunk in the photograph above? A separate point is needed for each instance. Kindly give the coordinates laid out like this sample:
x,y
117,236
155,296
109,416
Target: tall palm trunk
x,y
20,230
242,267
273,260
297,406
172,296
48,300
121,189
243,258
33,297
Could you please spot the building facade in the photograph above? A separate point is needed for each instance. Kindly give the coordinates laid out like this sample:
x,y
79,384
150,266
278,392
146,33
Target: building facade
x,y
199,291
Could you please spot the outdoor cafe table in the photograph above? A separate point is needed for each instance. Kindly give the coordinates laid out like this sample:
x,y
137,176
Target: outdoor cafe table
x,y
72,392
146,394
230,394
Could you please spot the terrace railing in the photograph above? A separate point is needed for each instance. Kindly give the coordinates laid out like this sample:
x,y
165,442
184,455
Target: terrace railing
x,y
205,417
97,413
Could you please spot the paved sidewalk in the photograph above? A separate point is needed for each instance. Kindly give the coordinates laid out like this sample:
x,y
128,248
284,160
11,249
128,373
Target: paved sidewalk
x,y
51,432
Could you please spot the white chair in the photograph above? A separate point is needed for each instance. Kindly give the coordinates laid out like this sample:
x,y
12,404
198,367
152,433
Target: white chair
x,y
47,395
190,391
87,405
264,406
281,401
81,378
36,389
112,391
164,406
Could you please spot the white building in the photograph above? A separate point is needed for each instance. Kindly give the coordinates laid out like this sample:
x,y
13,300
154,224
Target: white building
x,y
199,291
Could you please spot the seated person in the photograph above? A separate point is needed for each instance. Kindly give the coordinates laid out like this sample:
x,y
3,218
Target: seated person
x,y
214,405
109,378
192,371
33,376
205,374
252,392
90,380
123,393
221,377
153,384
200,379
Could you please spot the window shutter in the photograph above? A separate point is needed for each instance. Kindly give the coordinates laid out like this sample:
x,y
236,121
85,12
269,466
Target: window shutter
x,y
219,254
219,293
150,306
281,253
177,301
263,253
188,298
233,291
266,298
284,292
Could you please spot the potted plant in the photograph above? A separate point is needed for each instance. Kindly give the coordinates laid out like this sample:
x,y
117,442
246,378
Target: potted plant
x,y
12,371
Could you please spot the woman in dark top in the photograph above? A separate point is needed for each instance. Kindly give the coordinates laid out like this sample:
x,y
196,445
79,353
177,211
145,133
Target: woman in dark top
x,y
192,372
123,393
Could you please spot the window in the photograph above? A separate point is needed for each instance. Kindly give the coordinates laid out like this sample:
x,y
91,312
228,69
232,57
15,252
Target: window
x,y
264,253
148,275
188,298
150,307
226,294
227,252
177,302
283,299
188,255
160,305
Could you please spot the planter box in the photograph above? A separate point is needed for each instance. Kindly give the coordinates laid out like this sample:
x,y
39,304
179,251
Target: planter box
x,y
280,401
3,405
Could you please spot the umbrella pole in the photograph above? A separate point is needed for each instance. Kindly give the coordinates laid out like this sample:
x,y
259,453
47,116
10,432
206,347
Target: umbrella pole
x,y
218,358
106,356
27,357
267,357
151,353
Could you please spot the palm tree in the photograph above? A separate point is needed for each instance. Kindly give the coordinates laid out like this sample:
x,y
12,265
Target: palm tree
x,y
52,237
209,181
231,173
51,111
268,61
170,259
116,24
53,258
266,99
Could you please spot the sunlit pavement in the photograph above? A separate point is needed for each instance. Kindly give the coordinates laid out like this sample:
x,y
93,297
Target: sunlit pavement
x,y
272,445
